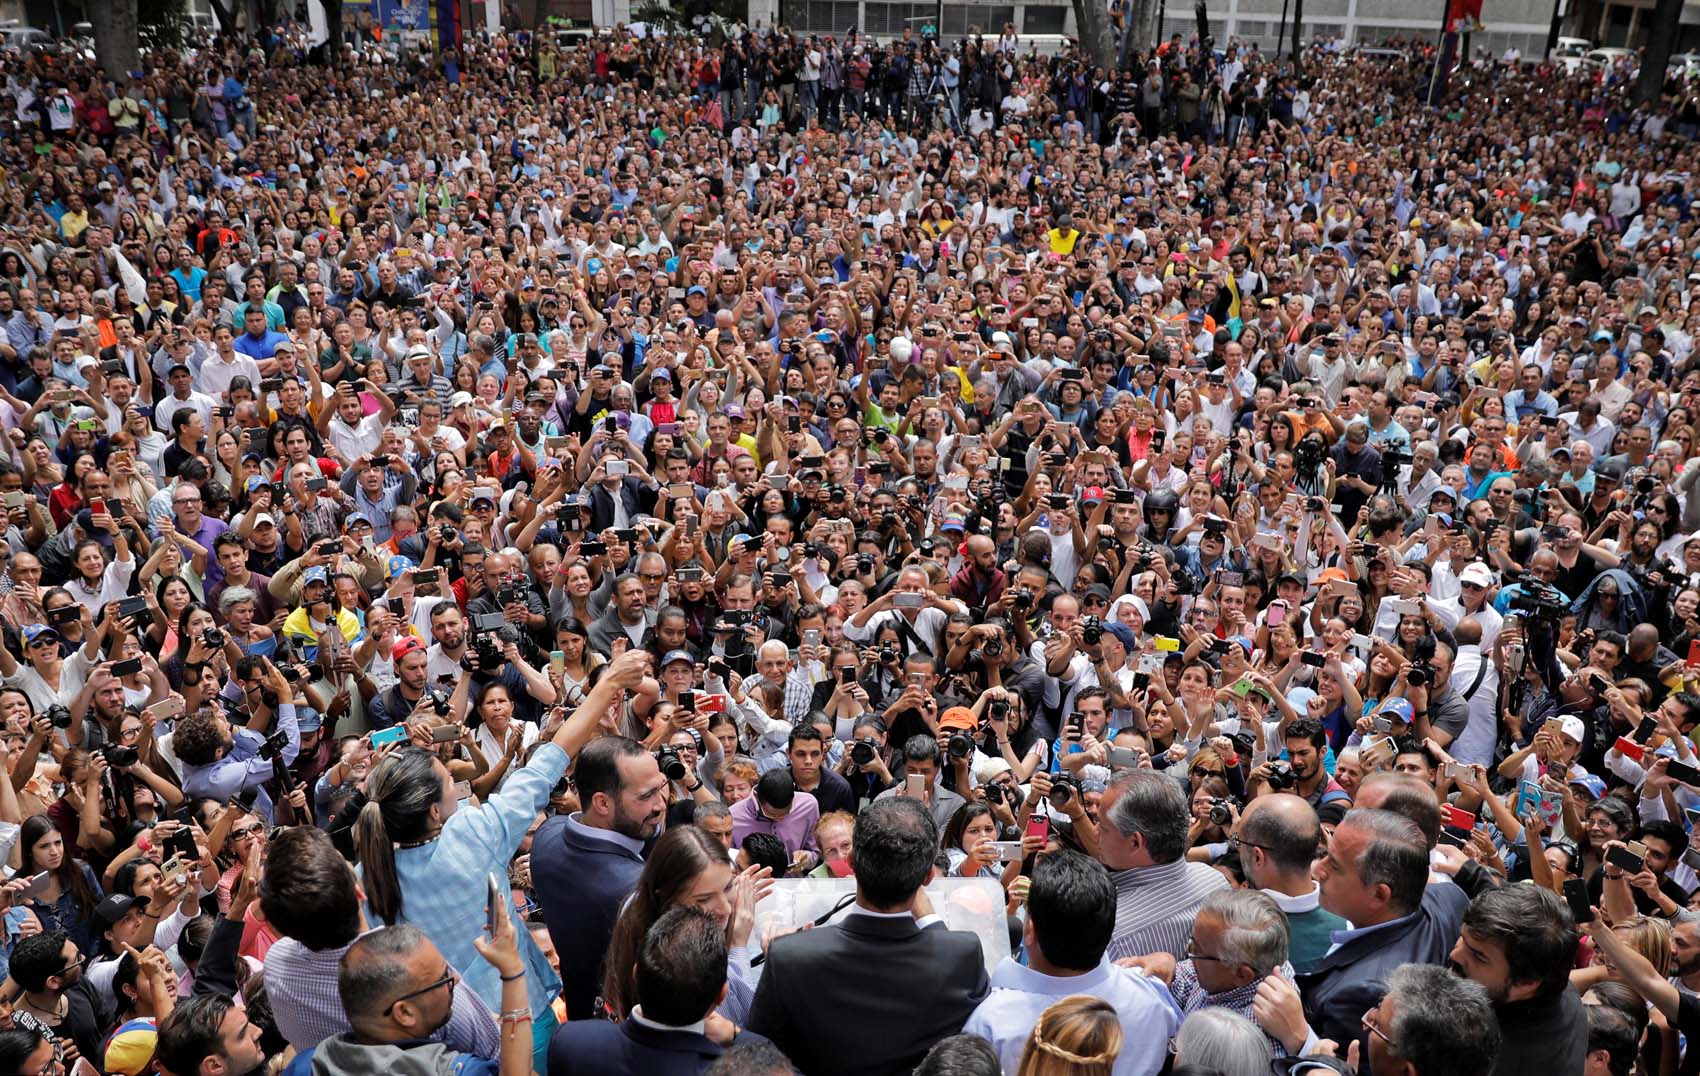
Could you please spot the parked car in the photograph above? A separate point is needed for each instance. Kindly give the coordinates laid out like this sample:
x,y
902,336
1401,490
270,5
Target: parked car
x,y
1569,51
1603,59
21,38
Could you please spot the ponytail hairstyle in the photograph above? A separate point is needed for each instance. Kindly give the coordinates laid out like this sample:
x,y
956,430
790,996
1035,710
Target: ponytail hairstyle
x,y
399,795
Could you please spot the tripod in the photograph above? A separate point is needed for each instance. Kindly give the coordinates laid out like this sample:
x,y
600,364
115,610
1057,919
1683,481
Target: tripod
x,y
936,92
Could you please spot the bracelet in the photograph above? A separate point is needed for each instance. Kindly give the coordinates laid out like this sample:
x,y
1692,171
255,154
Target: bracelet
x,y
516,1016
512,978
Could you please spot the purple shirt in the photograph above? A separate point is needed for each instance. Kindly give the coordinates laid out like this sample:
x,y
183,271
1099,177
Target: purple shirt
x,y
211,528
796,829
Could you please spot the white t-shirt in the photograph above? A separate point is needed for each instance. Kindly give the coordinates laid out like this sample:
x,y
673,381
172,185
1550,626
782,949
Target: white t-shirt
x,y
359,440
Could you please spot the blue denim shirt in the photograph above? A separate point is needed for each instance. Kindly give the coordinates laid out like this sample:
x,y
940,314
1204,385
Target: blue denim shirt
x,y
442,882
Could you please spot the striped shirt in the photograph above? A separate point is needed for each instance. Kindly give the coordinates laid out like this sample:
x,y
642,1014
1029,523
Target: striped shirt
x,y
303,988
1155,907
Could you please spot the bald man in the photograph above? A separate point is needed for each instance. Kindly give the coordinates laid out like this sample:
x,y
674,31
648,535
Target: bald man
x,y
1278,838
980,582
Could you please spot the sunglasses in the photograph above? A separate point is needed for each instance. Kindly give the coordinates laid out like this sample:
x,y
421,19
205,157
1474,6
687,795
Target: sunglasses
x,y
449,979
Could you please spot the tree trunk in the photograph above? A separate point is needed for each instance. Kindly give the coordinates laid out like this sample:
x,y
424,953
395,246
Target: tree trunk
x,y
1097,35
116,46
225,16
1661,39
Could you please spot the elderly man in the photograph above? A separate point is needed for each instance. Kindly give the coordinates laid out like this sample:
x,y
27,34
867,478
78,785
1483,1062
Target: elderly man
x,y
1375,876
1142,840
1431,1023
912,606
774,667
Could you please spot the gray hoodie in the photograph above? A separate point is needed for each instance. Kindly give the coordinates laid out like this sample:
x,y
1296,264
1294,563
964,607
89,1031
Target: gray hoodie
x,y
341,1055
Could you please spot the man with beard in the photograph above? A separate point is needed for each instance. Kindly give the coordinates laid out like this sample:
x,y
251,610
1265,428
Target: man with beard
x,y
1305,740
1519,943
56,1000
397,990
584,865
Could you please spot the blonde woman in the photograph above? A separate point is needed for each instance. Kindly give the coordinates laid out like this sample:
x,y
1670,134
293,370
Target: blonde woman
x,y
1077,1036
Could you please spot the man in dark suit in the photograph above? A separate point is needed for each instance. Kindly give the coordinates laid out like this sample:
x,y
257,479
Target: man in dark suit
x,y
584,865
617,500
871,993
1375,876
681,979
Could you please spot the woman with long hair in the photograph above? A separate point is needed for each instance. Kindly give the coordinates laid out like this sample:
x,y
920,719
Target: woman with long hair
x,y
423,861
1077,1036
687,868
71,892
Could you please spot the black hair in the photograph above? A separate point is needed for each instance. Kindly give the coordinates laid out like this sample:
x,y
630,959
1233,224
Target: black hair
x,y
766,850
892,851
777,789
681,968
1072,906
1534,928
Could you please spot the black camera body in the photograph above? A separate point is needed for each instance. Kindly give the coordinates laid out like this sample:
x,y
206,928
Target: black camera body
x,y
959,745
119,756
1062,787
863,752
1091,631
1281,776
672,766
212,639
1420,674
274,745
1220,815
59,716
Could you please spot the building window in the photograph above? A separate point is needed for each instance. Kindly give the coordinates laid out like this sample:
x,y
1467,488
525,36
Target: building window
x,y
1039,19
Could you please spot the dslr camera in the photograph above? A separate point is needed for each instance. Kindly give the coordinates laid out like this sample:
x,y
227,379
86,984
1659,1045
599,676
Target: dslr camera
x,y
1281,776
671,764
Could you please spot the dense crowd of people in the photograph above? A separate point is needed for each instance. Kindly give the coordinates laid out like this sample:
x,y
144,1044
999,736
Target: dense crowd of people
x,y
478,522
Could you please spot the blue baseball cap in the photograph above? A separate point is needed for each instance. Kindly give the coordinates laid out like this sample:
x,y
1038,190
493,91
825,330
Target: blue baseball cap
x,y
315,574
1595,786
1124,634
32,632
398,564
1399,708
678,655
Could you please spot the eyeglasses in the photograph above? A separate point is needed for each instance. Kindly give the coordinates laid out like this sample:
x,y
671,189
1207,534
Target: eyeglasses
x,y
1195,956
245,831
449,979
1236,841
1369,1025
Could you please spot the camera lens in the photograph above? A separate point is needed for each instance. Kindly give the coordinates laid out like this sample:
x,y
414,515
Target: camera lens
x,y
959,745
672,766
862,752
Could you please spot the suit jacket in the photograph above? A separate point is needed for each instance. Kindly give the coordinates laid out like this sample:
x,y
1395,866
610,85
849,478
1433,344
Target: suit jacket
x,y
631,1049
581,883
631,492
868,994
1352,979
